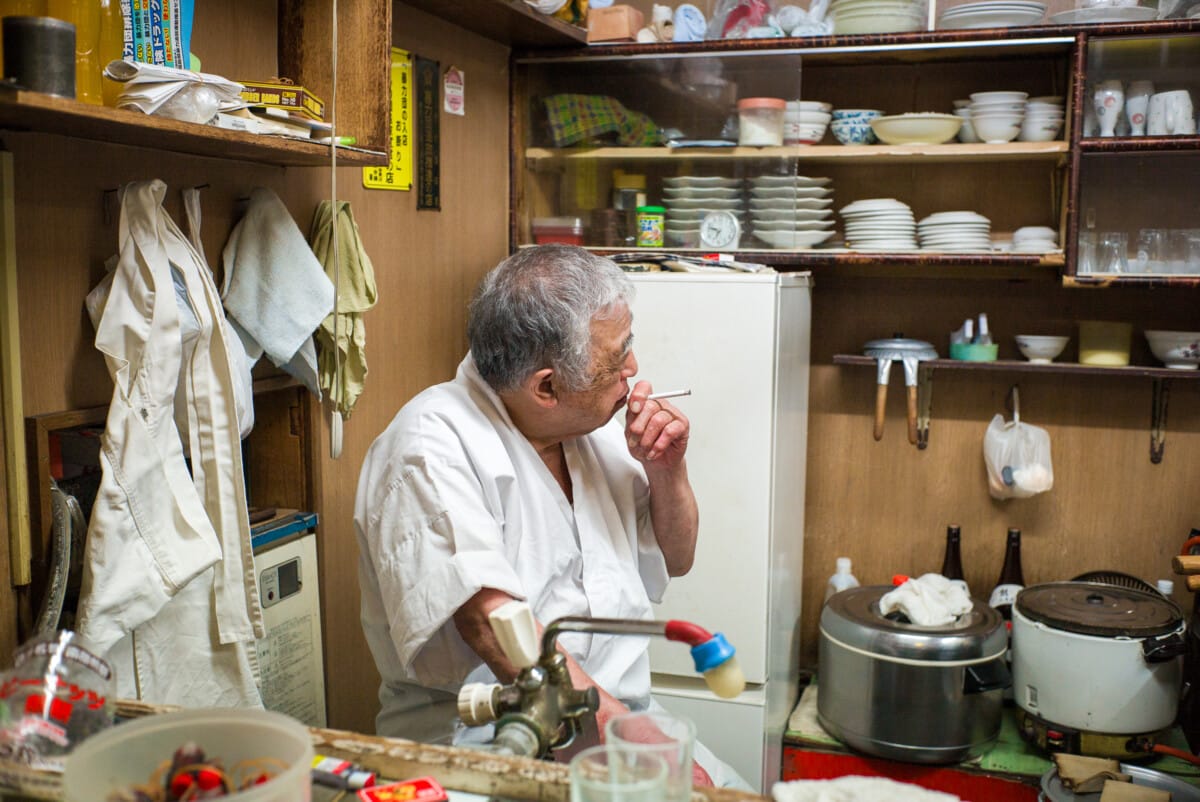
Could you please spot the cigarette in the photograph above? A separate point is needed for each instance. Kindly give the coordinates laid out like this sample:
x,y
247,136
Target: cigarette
x,y
668,394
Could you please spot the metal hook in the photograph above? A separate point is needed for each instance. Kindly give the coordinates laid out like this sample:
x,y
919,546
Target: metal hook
x,y
1013,402
1159,395
109,197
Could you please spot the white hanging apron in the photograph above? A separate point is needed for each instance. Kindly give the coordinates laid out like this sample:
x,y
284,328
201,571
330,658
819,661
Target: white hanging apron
x,y
169,582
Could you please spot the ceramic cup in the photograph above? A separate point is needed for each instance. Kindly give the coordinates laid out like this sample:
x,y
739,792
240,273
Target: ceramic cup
x,y
1137,102
1109,102
1171,113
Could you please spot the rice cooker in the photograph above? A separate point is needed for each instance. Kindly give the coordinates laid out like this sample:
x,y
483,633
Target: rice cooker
x,y
1097,668
924,694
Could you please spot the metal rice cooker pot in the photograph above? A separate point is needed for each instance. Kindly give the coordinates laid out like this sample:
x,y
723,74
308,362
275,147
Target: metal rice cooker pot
x,y
924,694
1097,658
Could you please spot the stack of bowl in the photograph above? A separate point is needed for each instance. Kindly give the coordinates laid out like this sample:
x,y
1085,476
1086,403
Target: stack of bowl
x,y
1034,239
791,211
962,108
877,16
996,116
688,198
1043,119
804,121
853,126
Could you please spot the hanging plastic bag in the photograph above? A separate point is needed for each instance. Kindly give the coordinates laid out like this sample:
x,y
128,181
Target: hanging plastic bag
x,y
1017,456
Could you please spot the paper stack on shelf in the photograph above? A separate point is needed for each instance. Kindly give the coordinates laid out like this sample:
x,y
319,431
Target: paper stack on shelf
x,y
175,93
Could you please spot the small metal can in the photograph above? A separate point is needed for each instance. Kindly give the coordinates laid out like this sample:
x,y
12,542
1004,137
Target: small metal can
x,y
650,226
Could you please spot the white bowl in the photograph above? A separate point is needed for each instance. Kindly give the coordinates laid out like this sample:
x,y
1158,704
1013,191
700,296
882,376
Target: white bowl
x,y
1175,349
987,97
807,105
1041,349
917,129
996,131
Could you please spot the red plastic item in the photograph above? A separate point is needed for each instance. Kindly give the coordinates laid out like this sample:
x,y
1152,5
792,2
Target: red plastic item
x,y
561,230
422,789
900,579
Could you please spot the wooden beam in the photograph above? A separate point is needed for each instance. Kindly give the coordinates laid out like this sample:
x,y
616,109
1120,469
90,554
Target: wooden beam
x,y
11,404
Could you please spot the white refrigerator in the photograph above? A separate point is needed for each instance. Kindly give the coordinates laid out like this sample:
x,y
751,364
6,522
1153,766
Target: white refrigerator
x,y
740,342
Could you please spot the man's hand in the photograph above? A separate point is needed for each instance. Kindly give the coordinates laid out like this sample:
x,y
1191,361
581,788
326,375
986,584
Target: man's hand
x,y
656,432
700,776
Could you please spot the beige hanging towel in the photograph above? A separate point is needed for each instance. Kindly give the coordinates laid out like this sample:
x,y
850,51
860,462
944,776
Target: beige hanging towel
x,y
354,278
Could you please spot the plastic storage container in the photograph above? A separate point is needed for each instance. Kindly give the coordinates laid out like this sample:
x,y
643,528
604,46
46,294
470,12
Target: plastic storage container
x,y
129,753
650,224
562,230
1104,343
760,121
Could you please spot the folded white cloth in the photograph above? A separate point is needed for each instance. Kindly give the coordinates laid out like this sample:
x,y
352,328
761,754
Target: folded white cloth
x,y
689,23
930,600
276,292
856,789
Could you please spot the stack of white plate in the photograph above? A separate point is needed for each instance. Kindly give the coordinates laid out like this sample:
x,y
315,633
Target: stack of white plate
x,y
1034,239
688,198
879,224
876,16
993,14
791,211
955,231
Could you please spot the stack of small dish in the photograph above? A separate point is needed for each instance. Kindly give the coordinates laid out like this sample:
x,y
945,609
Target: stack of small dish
x,y
791,211
688,198
853,126
1043,119
996,116
992,14
805,121
879,224
876,16
1034,239
955,231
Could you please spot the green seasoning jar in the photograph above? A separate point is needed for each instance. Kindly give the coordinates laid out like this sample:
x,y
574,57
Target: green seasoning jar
x,y
650,226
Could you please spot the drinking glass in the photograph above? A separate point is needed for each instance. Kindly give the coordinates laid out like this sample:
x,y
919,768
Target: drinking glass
x,y
669,737
1152,251
1112,252
617,773
1192,266
1085,257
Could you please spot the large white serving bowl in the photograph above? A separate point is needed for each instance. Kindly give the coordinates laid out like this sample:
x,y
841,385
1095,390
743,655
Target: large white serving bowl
x,y
1175,349
1041,349
995,131
927,128
793,239
878,23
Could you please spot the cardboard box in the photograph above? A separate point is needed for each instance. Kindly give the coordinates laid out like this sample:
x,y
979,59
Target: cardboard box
x,y
616,23
283,96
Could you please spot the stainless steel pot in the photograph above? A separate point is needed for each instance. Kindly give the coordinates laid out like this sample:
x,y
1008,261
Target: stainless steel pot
x,y
907,692
1097,658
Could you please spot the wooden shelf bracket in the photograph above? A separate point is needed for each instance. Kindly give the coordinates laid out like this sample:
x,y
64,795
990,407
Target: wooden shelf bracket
x,y
1158,418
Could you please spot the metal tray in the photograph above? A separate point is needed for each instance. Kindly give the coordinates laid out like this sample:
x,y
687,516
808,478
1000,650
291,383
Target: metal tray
x,y
1053,790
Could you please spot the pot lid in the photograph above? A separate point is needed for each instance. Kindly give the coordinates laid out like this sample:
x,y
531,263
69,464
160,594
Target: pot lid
x,y
1091,608
853,618
899,346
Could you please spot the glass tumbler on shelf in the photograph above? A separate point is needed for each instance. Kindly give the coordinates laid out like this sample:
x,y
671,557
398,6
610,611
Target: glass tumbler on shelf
x,y
660,733
617,773
1112,252
1151,251
1085,257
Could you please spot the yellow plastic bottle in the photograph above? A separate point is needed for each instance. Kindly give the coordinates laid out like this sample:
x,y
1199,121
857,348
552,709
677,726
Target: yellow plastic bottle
x,y
85,16
21,8
112,43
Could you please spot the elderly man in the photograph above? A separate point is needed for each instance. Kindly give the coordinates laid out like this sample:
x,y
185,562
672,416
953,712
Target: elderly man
x,y
505,483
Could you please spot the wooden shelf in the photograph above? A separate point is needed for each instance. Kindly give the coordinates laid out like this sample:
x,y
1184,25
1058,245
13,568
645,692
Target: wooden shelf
x,y
36,112
1138,144
512,22
913,263
1125,280
842,154
1021,366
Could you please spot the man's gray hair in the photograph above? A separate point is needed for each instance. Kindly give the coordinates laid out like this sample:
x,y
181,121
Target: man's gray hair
x,y
534,310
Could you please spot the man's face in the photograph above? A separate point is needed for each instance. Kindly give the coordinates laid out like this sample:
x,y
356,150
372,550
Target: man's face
x,y
612,364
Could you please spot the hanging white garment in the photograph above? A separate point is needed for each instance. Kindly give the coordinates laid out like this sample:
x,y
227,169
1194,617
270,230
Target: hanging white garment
x,y
169,584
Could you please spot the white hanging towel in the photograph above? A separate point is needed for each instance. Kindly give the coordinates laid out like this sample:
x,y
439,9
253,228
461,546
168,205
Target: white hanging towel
x,y
276,291
169,589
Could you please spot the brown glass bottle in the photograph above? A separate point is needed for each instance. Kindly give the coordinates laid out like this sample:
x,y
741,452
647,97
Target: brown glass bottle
x,y
952,561
1012,579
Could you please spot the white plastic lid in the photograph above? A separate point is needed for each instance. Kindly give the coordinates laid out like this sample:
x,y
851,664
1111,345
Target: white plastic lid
x,y
843,565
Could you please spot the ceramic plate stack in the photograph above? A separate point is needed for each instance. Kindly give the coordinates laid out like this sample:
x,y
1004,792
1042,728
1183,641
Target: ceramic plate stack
x,y
955,231
876,16
688,198
1034,239
993,14
879,224
791,211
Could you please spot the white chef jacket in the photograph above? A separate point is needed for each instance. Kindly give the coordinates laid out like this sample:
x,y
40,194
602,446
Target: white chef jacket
x,y
169,590
453,499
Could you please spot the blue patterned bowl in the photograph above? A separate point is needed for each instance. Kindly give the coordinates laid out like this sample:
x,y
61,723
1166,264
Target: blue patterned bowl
x,y
853,132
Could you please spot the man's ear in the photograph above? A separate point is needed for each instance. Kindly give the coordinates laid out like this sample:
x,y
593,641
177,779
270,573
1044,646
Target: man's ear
x,y
540,386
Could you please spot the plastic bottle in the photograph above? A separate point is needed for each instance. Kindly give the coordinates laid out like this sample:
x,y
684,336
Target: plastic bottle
x,y
983,336
112,45
842,579
1012,578
85,16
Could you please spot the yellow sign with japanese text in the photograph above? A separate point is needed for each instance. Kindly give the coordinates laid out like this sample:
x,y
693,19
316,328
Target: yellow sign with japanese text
x,y
398,173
